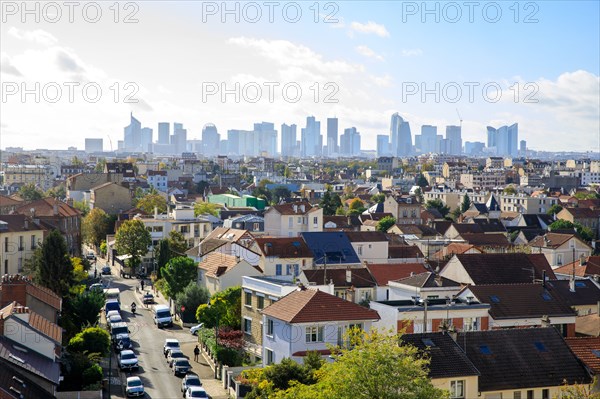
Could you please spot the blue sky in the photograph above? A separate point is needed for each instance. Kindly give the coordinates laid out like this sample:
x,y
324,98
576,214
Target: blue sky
x,y
374,53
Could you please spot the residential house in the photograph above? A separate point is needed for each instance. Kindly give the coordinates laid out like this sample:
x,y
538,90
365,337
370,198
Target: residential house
x,y
309,320
370,246
252,223
289,220
587,217
111,197
405,254
226,241
8,205
428,315
341,223
157,179
455,248
180,219
54,214
449,367
355,284
424,285
488,243
582,295
521,363
21,289
259,292
524,305
30,344
584,267
384,273
282,256
560,249
19,238
522,203
17,378
587,351
513,268
405,209
217,271
421,231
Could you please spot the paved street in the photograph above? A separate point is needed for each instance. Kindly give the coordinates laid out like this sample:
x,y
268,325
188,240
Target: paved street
x,y
158,379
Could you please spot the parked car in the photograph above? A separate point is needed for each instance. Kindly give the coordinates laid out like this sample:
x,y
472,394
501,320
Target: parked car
x,y
196,392
115,318
190,380
169,344
112,304
98,287
134,387
122,341
175,354
106,270
117,329
181,366
127,360
148,298
112,313
90,255
194,329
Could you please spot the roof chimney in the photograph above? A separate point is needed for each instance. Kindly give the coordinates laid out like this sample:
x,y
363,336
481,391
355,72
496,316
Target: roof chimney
x,y
295,208
348,275
55,208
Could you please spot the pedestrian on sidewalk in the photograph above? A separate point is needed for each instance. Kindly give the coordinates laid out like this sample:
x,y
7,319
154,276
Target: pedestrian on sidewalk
x,y
196,353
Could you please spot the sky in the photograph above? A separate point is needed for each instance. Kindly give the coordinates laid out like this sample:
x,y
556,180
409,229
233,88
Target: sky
x,y
68,73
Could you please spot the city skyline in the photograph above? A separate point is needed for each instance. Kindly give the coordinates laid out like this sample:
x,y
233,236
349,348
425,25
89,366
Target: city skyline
x,y
361,57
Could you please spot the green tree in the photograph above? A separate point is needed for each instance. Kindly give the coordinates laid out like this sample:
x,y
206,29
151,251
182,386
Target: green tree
x,y
340,211
439,205
150,201
357,205
57,192
422,181
419,195
385,223
554,209
203,208
455,214
95,226
103,248
509,190
82,207
133,239
29,192
178,273
163,256
190,298
584,232
589,195
578,391
226,306
51,264
177,244
279,193
84,309
327,203
92,340
466,203
378,198
100,165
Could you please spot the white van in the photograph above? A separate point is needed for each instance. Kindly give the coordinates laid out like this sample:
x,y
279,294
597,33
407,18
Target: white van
x,y
162,316
112,293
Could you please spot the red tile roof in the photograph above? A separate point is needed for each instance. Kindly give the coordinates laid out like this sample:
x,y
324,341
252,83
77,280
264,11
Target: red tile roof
x,y
583,347
293,208
313,306
283,247
45,208
385,272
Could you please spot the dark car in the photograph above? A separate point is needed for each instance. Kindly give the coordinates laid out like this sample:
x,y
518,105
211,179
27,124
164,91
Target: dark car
x,y
181,366
106,270
122,341
148,298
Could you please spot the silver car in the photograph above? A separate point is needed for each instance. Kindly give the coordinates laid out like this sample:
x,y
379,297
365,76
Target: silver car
x,y
128,360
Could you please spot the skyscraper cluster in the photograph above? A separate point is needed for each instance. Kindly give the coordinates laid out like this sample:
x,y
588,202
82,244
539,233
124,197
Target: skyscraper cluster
x,y
504,140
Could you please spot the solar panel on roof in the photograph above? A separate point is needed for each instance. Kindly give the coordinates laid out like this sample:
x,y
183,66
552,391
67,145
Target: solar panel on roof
x,y
546,296
494,299
427,342
484,349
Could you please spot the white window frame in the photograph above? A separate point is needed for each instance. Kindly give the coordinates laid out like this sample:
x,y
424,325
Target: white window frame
x,y
314,334
247,323
457,389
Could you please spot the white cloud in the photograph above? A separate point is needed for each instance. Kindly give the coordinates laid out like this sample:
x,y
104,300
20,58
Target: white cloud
x,y
370,28
38,36
412,52
382,81
7,67
367,52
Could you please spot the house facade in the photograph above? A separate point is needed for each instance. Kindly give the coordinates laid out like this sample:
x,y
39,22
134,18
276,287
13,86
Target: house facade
x,y
289,220
310,320
19,238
